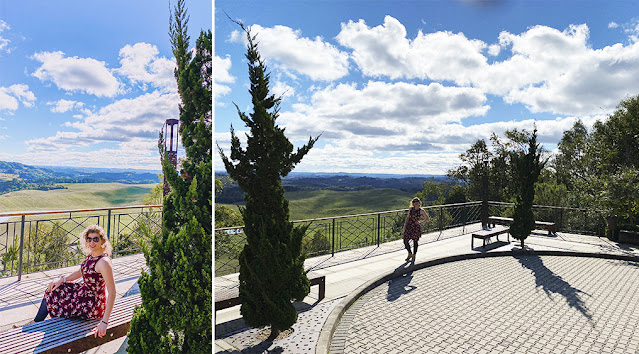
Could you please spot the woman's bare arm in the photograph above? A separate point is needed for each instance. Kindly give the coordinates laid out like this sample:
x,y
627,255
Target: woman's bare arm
x,y
105,267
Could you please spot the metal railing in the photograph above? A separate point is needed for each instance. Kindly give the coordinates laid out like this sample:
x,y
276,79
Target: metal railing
x,y
341,233
572,220
41,240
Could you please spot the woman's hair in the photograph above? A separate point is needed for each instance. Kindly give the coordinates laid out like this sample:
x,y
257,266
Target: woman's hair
x,y
413,201
95,229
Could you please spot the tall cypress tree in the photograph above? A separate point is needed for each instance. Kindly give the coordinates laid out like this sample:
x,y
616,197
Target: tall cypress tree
x,y
271,264
176,311
527,167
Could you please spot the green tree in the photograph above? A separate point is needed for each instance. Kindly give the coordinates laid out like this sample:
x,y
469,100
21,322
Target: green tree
x,y
271,263
432,193
224,215
176,311
527,165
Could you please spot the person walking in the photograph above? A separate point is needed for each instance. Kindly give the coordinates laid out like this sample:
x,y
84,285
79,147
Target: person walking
x,y
412,227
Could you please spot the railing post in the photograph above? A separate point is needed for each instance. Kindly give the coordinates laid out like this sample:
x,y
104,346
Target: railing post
x,y
441,219
108,231
379,227
333,242
21,246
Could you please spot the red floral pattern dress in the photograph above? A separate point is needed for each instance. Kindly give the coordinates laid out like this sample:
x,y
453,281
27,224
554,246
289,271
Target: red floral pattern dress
x,y
87,299
413,228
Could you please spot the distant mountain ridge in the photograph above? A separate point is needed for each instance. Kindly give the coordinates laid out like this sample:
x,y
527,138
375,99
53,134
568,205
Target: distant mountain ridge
x,y
17,176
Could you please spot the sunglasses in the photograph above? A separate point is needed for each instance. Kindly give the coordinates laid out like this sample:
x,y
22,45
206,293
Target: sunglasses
x,y
95,239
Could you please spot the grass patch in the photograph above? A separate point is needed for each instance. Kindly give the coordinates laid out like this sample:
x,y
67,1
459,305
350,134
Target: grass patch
x,y
76,196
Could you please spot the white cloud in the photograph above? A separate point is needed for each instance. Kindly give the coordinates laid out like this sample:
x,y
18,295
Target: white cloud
x,y
3,41
383,116
280,89
122,121
75,74
494,50
11,96
63,105
140,64
289,51
632,29
613,25
221,74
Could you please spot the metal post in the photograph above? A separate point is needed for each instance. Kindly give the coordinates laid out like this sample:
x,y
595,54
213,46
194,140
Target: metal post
x,y
21,245
108,230
441,219
379,227
333,243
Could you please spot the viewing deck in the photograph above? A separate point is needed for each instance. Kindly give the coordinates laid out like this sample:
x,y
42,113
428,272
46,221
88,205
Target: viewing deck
x,y
402,292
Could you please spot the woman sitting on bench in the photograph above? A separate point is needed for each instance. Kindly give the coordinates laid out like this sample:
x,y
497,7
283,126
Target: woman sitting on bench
x,y
87,299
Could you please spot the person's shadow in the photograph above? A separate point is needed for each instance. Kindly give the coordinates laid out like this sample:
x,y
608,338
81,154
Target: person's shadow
x,y
400,285
553,283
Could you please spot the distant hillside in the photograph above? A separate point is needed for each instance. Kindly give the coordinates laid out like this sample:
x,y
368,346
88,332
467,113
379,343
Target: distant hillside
x,y
15,176
232,194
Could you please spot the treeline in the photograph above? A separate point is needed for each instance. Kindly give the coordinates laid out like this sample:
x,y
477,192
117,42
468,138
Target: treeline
x,y
596,169
231,193
16,185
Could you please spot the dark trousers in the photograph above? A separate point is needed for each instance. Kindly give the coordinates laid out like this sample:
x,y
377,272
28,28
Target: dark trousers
x,y
415,244
43,311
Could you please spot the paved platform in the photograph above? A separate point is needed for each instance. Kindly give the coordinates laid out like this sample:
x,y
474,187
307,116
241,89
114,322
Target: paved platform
x,y
349,271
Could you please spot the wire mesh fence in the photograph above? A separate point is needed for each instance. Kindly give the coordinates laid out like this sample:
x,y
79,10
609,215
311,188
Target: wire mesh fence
x,y
341,233
37,241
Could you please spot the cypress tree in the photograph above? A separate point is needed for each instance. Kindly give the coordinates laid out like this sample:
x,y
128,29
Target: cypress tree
x,y
527,166
176,311
271,263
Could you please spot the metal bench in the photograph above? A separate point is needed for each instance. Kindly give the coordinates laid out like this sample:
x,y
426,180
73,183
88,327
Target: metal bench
x,y
550,226
231,297
69,335
486,234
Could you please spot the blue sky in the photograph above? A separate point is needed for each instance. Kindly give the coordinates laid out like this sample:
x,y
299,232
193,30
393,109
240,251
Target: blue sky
x,y
88,83
406,86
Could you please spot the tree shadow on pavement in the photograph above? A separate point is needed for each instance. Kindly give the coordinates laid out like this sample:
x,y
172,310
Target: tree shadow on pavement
x,y
553,283
400,285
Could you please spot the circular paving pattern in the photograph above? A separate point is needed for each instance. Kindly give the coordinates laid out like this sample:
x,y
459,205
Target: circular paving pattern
x,y
504,304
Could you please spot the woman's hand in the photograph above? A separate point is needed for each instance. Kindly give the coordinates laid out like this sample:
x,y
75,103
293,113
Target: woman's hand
x,y
55,284
100,330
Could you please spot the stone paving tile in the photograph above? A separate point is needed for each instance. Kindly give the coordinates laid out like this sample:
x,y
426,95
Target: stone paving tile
x,y
527,303
305,333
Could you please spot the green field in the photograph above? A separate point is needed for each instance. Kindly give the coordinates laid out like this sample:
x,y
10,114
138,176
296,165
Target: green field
x,y
76,196
326,203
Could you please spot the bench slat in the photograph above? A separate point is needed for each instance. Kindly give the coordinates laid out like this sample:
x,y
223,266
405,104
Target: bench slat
x,y
61,334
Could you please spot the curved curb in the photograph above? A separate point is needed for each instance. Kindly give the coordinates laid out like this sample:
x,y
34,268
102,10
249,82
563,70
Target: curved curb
x,y
335,317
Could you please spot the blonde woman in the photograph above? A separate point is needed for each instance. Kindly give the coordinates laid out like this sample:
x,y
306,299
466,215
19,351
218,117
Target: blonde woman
x,y
65,298
412,226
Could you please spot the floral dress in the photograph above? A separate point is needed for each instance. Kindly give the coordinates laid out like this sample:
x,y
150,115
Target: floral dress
x,y
87,299
413,228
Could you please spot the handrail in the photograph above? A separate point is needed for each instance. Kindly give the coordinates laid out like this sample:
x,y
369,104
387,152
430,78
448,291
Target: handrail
x,y
358,215
552,207
39,212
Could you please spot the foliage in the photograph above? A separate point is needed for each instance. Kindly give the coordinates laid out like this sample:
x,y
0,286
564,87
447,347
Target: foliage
x,y
457,194
317,244
527,166
176,311
155,196
271,263
224,215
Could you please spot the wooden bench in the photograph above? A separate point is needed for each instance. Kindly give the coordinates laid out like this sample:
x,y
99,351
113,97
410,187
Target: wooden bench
x,y
486,234
231,297
550,226
69,335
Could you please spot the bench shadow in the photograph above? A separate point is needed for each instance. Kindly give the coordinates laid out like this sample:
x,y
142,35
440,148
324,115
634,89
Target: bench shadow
x,y
553,283
490,246
262,347
400,285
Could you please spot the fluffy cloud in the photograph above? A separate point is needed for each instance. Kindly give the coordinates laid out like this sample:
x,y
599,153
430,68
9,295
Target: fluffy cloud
x,y
75,74
140,64
63,105
221,74
3,41
11,96
383,116
280,89
122,121
548,70
290,51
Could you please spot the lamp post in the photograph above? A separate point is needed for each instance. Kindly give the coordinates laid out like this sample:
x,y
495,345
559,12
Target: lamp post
x,y
170,129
